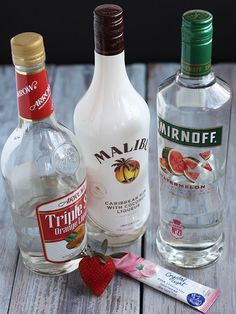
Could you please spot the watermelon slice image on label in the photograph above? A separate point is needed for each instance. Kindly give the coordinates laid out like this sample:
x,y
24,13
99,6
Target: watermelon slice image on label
x,y
206,155
175,160
164,165
207,166
191,176
191,162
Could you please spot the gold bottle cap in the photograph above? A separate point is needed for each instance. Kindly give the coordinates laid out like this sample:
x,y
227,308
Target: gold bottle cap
x,y
28,49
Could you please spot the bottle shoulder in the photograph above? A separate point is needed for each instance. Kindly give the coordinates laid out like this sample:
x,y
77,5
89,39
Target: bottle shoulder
x,y
212,94
111,104
101,93
49,148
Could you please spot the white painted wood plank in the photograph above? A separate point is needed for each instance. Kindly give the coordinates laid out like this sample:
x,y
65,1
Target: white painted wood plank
x,y
221,275
67,294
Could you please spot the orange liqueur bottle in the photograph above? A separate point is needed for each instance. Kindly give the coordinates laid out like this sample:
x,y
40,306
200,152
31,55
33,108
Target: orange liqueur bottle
x,y
43,170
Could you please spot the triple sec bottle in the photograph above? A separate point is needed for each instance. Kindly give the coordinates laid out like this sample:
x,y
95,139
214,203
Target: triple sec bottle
x,y
194,109
43,170
112,122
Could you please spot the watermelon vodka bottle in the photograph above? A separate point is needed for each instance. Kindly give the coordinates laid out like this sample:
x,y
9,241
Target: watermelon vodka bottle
x,y
193,109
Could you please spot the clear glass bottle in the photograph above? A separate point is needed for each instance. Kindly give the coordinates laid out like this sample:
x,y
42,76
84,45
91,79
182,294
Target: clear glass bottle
x,y
112,122
43,170
194,109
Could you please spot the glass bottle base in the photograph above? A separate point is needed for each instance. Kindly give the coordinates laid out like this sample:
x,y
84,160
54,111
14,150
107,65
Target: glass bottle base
x,y
189,257
114,240
38,265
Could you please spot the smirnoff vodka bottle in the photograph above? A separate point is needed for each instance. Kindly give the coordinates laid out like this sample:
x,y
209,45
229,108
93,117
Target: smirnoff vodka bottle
x,y
194,119
43,170
112,122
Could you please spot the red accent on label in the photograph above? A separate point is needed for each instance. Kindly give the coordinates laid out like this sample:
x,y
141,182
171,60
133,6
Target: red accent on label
x,y
65,224
34,95
176,229
56,225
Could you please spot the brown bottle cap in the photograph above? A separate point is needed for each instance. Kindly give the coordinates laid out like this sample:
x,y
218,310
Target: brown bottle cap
x,y
27,49
108,29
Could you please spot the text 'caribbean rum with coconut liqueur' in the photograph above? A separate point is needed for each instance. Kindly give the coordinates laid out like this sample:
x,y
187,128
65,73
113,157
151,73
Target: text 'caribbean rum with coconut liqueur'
x,y
194,109
43,170
112,122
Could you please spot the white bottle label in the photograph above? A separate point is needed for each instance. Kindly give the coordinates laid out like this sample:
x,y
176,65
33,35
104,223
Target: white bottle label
x,y
118,191
188,171
62,225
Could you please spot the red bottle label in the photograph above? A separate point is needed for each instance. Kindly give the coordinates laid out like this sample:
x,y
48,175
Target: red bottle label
x,y
62,225
34,95
176,229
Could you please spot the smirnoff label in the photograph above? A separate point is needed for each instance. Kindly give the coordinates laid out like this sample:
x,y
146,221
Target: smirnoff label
x,y
190,137
187,168
62,225
34,95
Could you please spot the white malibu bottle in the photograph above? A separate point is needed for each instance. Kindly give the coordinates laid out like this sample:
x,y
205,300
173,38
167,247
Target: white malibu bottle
x,y
112,123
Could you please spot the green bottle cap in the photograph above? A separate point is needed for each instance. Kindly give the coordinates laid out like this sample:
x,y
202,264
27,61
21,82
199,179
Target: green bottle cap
x,y
197,33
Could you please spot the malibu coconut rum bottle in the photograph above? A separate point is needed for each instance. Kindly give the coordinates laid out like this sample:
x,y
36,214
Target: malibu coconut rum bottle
x,y
112,122
43,170
194,119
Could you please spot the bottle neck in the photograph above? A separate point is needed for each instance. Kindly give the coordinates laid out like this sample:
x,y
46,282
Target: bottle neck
x,y
110,70
196,59
25,124
195,82
33,93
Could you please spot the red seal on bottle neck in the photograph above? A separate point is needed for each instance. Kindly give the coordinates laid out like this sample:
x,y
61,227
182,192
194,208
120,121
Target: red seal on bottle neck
x,y
34,95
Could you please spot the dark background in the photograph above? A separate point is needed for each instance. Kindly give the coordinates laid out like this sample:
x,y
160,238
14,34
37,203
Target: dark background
x,y
152,28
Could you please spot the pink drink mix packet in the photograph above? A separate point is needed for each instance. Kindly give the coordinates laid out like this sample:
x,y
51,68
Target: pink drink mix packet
x,y
179,287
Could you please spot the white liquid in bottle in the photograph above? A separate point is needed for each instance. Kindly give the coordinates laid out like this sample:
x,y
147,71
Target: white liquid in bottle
x,y
112,124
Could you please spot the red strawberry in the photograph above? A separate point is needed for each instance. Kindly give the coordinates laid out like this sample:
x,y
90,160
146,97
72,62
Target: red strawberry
x,y
97,270
97,273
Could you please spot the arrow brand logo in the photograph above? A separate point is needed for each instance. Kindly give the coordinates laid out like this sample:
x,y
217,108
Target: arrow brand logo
x,y
42,100
26,90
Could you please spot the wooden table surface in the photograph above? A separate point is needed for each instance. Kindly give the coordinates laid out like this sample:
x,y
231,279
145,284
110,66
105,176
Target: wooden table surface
x,y
24,292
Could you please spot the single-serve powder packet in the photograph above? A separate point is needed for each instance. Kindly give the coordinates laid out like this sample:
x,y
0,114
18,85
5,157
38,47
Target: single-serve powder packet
x,y
190,292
